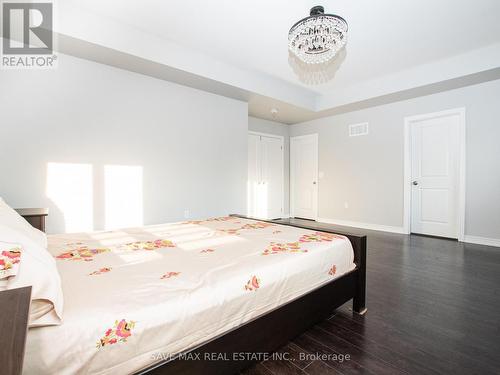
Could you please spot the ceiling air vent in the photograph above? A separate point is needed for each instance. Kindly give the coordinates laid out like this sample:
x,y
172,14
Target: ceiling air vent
x,y
358,129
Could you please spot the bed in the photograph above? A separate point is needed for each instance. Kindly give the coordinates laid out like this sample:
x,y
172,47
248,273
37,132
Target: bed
x,y
192,297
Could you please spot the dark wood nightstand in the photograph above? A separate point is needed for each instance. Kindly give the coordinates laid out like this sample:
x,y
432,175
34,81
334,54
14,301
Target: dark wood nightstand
x,y
14,316
34,216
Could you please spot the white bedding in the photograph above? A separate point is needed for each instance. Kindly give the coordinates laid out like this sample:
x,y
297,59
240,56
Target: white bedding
x,y
130,300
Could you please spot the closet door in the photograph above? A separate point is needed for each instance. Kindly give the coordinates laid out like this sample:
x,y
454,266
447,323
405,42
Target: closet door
x,y
265,177
254,175
272,176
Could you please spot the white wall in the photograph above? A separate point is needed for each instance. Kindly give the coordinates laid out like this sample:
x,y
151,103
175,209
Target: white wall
x,y
367,172
276,128
182,148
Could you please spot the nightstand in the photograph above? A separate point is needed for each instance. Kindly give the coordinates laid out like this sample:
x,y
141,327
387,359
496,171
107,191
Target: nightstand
x,y
14,316
34,216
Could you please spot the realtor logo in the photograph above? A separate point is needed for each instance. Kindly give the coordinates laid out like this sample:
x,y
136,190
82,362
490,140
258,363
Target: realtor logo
x,y
28,38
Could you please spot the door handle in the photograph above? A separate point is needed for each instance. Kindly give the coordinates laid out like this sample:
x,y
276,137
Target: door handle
x,y
415,183
314,182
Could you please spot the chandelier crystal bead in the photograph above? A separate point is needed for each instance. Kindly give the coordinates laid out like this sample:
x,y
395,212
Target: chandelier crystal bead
x,y
318,38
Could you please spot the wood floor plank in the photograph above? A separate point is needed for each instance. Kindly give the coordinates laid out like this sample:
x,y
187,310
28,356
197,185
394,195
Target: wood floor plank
x,y
280,367
402,356
347,367
320,368
295,356
258,369
357,354
454,354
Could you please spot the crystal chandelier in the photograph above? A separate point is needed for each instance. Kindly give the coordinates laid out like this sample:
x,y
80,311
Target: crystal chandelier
x,y
317,39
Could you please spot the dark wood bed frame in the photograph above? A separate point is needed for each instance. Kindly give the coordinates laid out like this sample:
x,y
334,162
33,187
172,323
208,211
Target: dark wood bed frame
x,y
277,327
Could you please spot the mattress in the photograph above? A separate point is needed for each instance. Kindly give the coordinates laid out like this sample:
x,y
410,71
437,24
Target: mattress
x,y
135,296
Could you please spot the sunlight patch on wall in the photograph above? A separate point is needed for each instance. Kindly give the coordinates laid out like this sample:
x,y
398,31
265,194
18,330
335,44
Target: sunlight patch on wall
x,y
123,196
70,187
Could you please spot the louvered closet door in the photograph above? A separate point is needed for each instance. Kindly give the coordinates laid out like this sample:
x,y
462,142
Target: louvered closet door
x,y
265,177
272,176
254,175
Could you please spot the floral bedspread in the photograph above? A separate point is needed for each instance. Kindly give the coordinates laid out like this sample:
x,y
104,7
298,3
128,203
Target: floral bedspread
x,y
134,296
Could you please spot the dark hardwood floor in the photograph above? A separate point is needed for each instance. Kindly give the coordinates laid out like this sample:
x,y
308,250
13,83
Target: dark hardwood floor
x,y
433,308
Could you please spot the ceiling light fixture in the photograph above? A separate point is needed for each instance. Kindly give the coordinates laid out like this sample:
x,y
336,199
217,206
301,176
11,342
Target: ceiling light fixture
x,y
317,39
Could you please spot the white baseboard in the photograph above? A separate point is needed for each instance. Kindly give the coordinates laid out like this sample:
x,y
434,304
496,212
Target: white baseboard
x,y
482,240
356,224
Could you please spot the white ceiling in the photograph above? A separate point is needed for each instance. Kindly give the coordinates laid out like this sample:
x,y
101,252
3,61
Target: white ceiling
x,y
387,38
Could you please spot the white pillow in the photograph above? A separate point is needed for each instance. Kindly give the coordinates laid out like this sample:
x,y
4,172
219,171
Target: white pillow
x,y
38,269
10,218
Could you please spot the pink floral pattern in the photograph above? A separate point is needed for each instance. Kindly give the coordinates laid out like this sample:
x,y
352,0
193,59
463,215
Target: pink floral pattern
x,y
233,231
207,251
120,332
318,237
236,231
82,253
223,218
149,245
100,271
253,284
278,248
257,225
332,270
87,254
168,275
74,244
9,262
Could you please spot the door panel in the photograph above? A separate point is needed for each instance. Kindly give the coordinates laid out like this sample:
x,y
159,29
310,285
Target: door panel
x,y
435,152
265,177
272,176
304,176
254,178
434,205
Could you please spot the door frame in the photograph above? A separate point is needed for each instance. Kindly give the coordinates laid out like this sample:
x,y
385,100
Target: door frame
x,y
292,174
282,164
408,121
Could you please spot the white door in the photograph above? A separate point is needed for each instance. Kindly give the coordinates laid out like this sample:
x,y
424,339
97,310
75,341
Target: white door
x,y
272,176
254,175
265,177
304,176
435,176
